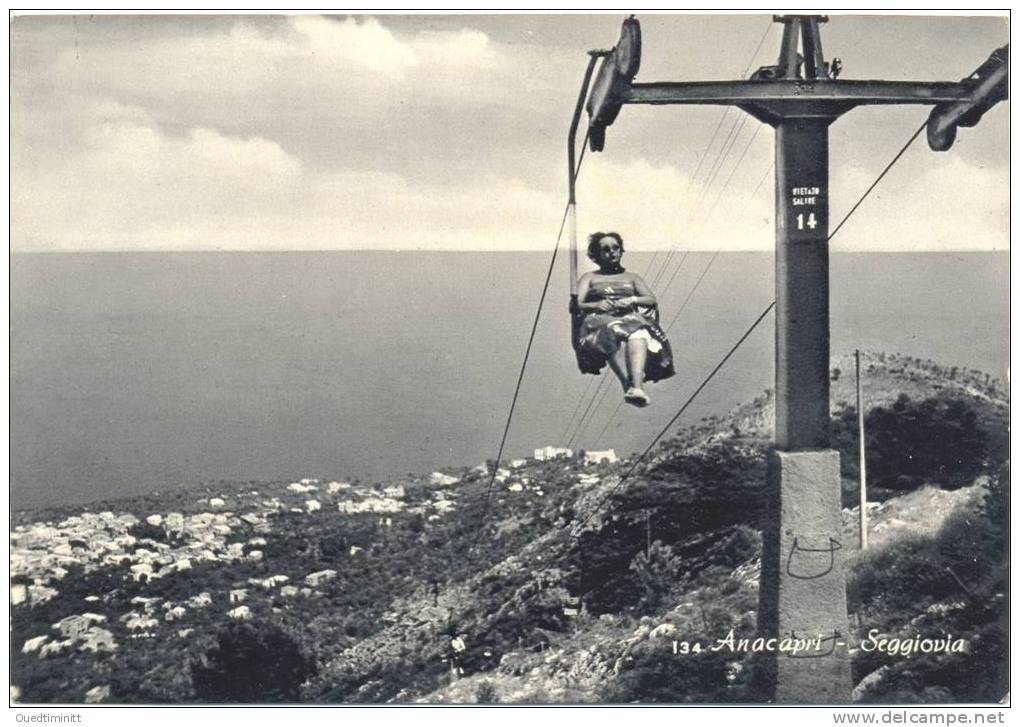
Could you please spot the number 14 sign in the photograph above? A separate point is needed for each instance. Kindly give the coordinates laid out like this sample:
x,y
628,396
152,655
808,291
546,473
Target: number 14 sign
x,y
806,209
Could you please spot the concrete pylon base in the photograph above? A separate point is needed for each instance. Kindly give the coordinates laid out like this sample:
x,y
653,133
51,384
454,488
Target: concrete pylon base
x,y
803,582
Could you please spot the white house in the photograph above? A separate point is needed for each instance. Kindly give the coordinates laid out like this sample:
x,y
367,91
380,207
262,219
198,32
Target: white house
x,y
141,569
201,600
593,457
54,647
71,627
34,644
19,594
552,453
438,478
313,505
395,491
144,555
238,595
41,594
149,603
96,640
320,577
97,694
382,504
175,614
140,623
58,573
241,613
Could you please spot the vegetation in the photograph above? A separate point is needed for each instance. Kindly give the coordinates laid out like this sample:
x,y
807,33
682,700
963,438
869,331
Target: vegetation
x,y
252,663
566,590
936,440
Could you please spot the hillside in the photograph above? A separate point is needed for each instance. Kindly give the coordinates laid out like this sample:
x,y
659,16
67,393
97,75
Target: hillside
x,y
558,587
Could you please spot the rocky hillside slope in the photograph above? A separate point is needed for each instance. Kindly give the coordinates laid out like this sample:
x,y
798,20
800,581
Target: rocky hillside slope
x,y
558,585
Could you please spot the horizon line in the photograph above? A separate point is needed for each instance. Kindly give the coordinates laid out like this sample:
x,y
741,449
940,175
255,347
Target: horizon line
x,y
121,251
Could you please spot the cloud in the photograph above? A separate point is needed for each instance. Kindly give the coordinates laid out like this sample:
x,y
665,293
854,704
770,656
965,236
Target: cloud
x,y
301,65
322,132
130,183
930,201
133,184
660,207
336,93
363,45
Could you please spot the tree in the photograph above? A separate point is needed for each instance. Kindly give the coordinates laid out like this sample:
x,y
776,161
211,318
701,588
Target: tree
x,y
252,662
656,570
937,440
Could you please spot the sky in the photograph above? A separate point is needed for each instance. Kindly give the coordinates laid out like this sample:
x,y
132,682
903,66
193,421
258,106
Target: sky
x,y
448,132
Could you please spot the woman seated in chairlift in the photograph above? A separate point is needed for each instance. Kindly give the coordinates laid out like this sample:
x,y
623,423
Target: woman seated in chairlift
x,y
620,322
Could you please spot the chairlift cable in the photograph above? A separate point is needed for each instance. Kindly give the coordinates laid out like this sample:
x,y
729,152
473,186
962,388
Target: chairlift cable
x,y
531,340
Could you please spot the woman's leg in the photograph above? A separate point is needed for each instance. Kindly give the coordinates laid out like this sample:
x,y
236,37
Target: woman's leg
x,y
637,354
618,363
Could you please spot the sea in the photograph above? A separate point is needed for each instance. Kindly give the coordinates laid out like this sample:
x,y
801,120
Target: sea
x,y
136,373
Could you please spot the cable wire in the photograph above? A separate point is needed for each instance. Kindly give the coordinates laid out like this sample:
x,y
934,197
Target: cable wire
x,y
531,341
879,178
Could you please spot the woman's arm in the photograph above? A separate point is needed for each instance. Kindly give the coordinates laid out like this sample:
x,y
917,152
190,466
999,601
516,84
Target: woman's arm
x,y
644,296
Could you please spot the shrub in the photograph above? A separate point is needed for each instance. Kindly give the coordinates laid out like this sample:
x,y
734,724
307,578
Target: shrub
x,y
656,570
252,663
936,440
486,694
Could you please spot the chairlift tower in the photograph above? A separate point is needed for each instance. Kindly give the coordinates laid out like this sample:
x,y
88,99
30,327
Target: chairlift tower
x,y
803,583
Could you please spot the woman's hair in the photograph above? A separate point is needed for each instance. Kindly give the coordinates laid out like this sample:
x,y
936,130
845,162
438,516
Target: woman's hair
x,y
593,243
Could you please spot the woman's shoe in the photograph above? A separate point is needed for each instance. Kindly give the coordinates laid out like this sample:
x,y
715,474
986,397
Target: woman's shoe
x,y
636,396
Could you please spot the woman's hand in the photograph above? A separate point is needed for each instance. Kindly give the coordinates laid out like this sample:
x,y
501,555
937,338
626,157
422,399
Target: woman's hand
x,y
605,306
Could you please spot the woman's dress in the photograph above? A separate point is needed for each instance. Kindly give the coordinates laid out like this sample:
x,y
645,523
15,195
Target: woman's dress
x,y
600,334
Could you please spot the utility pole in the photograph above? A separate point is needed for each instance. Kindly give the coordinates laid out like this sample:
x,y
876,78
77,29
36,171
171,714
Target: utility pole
x,y
861,462
803,586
